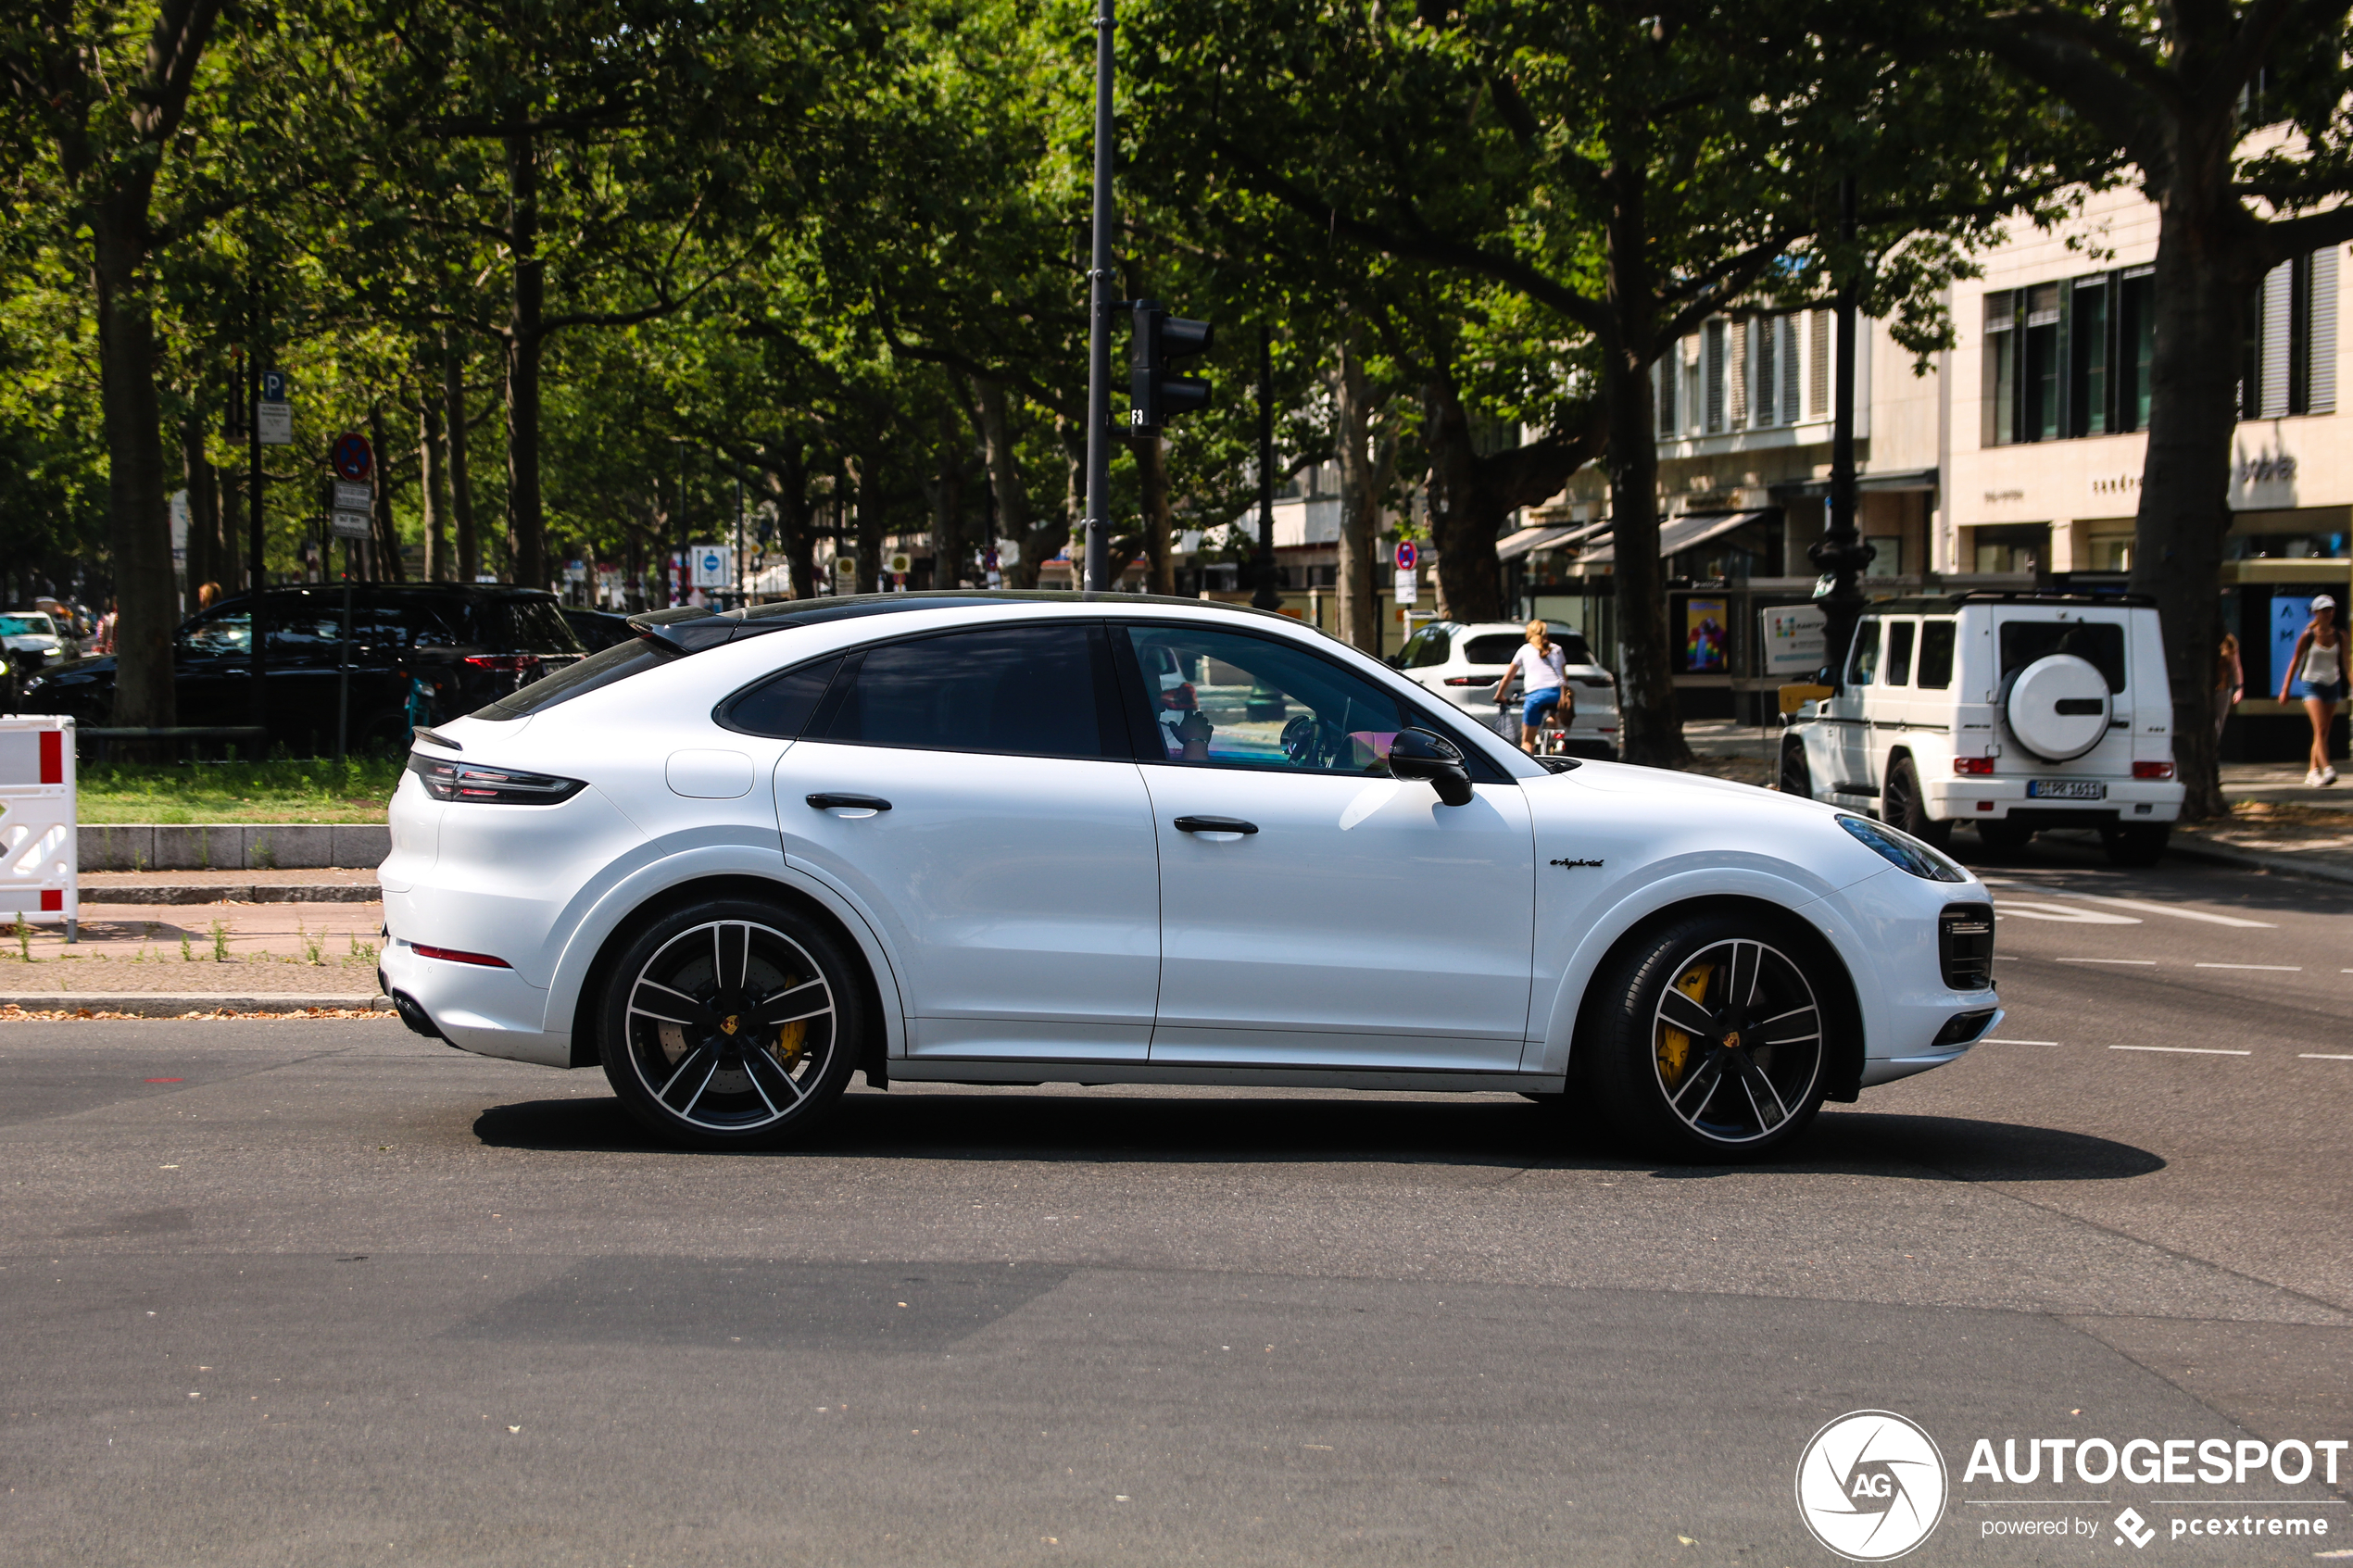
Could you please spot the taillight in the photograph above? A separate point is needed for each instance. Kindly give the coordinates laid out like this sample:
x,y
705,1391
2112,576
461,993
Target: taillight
x,y
1468,681
2152,770
505,663
471,782
1972,764
451,955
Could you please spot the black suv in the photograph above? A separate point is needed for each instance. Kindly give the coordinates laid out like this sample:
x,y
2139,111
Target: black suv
x,y
453,647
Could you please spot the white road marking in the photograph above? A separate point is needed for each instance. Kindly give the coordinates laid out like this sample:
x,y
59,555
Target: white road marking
x,y
1990,1040
2272,968
2321,1056
2174,909
2146,963
2063,914
2185,1050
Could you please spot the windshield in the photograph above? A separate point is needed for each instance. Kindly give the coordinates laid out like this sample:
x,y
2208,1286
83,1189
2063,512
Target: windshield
x,y
2098,643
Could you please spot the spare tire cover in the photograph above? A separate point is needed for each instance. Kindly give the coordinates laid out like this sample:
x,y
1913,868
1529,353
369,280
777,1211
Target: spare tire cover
x,y
2058,707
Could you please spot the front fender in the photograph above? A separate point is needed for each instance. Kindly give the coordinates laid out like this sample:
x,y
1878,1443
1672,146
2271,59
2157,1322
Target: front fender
x,y
595,915
1551,1041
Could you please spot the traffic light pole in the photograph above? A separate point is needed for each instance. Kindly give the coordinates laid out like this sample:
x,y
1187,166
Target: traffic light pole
x,y
1099,309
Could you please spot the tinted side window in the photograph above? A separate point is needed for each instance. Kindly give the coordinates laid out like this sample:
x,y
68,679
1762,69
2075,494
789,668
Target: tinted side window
x,y
1250,702
782,705
222,632
532,625
1021,691
2099,644
1863,663
1897,671
1936,655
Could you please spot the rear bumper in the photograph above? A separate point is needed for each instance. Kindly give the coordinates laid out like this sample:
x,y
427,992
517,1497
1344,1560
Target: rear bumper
x,y
1982,799
487,1011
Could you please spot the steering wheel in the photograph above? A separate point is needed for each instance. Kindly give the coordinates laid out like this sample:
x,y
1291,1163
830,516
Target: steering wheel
x,y
1302,742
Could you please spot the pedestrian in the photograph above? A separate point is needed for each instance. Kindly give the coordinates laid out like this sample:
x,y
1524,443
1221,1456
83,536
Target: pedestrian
x,y
102,636
2319,662
1542,669
2230,682
207,593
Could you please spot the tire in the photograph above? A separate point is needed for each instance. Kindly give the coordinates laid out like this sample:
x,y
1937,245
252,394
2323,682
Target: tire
x,y
1906,807
2004,836
2135,844
1755,1006
731,1024
1797,777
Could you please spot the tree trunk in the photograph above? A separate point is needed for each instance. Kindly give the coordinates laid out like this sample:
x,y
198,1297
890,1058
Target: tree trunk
x,y
1159,517
1013,497
140,532
1361,483
947,507
1466,508
388,564
2203,284
461,493
869,524
433,487
233,534
204,505
526,520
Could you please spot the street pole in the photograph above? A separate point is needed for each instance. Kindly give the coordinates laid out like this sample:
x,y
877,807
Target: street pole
x,y
1099,306
1841,553
342,667
742,597
256,621
1269,595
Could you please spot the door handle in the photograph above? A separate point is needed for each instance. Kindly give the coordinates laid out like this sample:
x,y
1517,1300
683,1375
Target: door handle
x,y
1214,825
824,802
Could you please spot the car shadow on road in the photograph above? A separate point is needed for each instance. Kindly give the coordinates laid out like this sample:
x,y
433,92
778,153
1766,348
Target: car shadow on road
x,y
1117,1130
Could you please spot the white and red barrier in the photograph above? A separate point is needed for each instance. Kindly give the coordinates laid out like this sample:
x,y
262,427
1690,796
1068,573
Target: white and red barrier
x,y
39,875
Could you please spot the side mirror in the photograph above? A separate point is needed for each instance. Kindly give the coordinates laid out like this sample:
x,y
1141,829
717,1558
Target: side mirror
x,y
1396,661
1418,754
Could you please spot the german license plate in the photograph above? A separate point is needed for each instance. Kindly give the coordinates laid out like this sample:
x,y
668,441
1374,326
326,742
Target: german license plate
x,y
2066,789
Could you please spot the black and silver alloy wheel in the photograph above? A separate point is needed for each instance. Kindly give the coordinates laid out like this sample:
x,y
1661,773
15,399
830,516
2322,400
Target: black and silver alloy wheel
x,y
1714,1041
728,1024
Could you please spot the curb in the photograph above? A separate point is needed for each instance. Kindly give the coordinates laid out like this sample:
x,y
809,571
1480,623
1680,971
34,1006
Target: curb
x,y
169,1004
234,893
2260,860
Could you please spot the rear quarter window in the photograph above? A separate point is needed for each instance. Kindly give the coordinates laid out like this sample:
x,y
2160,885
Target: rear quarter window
x,y
2098,643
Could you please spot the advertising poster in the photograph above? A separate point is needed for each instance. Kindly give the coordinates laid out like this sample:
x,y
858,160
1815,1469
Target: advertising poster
x,y
1792,636
1703,650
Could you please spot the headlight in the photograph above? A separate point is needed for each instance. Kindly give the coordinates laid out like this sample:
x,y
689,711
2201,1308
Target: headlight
x,y
471,782
1903,851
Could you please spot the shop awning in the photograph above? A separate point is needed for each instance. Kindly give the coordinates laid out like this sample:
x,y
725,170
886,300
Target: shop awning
x,y
1527,541
1679,535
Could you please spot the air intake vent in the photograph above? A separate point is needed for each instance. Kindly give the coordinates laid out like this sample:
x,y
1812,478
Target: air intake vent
x,y
1965,946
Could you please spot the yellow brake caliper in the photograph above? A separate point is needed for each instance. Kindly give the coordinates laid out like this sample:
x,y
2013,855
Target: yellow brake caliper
x,y
1674,1046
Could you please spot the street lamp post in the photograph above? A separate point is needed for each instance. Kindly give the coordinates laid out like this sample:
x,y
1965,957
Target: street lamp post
x,y
1099,307
1841,553
1269,595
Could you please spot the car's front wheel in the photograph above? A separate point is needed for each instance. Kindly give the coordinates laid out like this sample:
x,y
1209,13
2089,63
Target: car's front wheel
x,y
1796,778
731,1024
1712,1043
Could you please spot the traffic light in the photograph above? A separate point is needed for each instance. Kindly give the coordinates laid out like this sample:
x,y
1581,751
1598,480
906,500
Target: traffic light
x,y
1153,395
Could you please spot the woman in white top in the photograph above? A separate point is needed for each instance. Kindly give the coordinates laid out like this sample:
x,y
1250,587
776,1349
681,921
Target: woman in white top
x,y
2319,662
1542,667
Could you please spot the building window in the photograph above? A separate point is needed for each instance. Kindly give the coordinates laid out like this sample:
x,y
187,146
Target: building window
x,y
1817,366
1669,373
2135,345
2001,369
1769,398
1712,375
1790,409
2045,328
1737,377
2088,352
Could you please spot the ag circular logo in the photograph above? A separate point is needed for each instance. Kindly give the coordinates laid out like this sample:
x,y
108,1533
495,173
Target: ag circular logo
x,y
1872,1485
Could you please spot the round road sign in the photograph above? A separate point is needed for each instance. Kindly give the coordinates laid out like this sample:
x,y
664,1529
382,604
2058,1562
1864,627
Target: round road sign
x,y
1407,557
351,457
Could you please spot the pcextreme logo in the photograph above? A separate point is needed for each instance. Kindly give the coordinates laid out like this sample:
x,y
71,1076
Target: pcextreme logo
x,y
1872,1485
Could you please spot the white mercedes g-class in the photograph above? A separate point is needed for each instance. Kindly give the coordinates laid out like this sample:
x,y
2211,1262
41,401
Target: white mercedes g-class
x,y
2013,712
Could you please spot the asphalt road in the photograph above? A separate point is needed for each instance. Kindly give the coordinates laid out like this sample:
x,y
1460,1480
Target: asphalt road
x,y
323,1292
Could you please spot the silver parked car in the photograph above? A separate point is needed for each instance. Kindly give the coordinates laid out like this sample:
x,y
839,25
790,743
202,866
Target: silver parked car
x,y
1462,663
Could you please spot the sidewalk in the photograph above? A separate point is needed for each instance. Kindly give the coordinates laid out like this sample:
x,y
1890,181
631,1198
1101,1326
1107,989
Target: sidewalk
x,y
215,950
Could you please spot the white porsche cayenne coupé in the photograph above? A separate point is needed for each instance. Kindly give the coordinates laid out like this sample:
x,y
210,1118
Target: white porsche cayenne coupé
x,y
1000,839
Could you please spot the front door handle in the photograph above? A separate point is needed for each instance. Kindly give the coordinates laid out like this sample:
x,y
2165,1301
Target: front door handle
x,y
824,802
1214,825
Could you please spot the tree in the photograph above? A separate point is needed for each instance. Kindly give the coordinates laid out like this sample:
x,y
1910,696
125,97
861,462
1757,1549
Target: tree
x,y
2233,113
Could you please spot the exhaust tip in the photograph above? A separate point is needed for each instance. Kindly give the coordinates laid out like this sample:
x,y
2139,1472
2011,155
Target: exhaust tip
x,y
414,1014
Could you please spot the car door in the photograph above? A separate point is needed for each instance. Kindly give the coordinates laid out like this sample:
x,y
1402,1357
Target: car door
x,y
1853,708
1889,703
213,667
1315,911
974,790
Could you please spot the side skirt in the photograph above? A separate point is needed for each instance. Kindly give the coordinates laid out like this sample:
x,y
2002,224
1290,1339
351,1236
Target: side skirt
x,y
907,1069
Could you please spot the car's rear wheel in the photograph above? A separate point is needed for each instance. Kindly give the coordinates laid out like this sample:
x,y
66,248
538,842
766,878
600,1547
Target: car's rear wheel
x,y
2135,844
1906,806
1712,1044
731,1024
1797,777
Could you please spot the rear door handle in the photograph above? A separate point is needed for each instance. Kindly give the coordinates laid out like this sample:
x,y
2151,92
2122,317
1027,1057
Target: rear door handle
x,y
1214,825
824,802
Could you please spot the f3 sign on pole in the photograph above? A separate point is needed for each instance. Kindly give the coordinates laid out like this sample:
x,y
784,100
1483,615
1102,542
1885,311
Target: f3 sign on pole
x,y
1099,309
